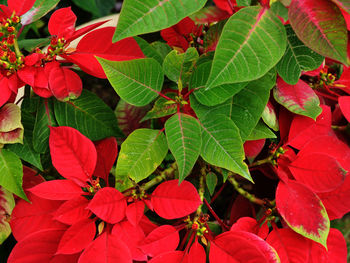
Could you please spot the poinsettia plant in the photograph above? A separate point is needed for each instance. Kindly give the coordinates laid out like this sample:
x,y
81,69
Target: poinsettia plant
x,y
228,142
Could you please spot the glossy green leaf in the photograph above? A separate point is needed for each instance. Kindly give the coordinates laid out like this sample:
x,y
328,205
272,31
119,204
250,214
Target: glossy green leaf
x,y
261,131
11,172
212,36
162,49
11,128
213,96
269,117
141,153
178,66
148,50
279,9
39,9
243,2
183,134
26,150
222,144
30,44
321,27
252,42
7,203
211,181
137,81
97,7
88,114
161,108
152,15
297,58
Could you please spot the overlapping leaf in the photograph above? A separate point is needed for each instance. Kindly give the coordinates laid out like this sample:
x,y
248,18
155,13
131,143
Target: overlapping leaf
x,y
321,27
7,203
261,131
38,10
149,16
183,134
138,81
11,128
141,153
252,42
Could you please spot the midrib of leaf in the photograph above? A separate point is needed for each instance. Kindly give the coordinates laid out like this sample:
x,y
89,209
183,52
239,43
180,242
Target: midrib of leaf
x,y
183,143
258,17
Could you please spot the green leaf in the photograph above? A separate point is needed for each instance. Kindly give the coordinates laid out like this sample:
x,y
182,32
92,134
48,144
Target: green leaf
x,y
324,31
41,131
30,44
7,203
280,10
26,151
137,81
11,128
148,50
178,66
344,4
222,144
183,134
39,9
211,181
297,58
252,42
212,36
261,131
161,108
152,15
141,153
88,114
269,117
11,173
97,7
162,49
243,2
213,96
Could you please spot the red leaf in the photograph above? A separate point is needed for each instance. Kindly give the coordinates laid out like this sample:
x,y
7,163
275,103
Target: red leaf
x,y
320,172
35,77
20,6
73,211
240,246
303,211
147,225
57,190
337,250
227,5
73,155
65,84
28,218
62,23
107,151
31,178
134,212
40,246
344,103
105,249
197,253
77,237
5,91
84,30
168,257
209,14
109,205
241,207
65,258
163,239
290,246
171,200
253,148
249,224
131,236
99,43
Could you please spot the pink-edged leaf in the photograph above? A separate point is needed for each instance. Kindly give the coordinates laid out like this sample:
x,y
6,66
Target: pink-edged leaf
x,y
65,84
134,212
290,246
337,250
253,148
109,205
57,190
40,246
344,103
320,172
65,258
197,253
298,98
28,218
73,155
20,6
72,211
62,23
321,27
344,4
11,128
99,43
209,14
240,246
303,211
303,129
7,203
131,236
169,257
77,237
163,239
105,249
171,200
107,151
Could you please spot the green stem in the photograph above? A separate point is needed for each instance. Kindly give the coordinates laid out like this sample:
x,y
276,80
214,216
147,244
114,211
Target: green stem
x,y
201,190
161,177
260,162
17,50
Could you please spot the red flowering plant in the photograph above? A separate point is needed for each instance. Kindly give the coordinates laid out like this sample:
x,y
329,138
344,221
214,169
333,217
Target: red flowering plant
x,y
228,143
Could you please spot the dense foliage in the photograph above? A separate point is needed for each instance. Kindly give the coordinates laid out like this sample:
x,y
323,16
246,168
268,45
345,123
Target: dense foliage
x,y
229,142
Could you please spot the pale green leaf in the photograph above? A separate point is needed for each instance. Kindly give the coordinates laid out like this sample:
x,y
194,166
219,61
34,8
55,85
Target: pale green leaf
x,y
7,203
211,181
39,9
261,131
148,50
11,128
161,108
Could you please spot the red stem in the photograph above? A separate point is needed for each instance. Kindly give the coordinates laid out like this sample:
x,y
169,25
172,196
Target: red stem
x,y
47,111
326,96
184,239
218,192
222,224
